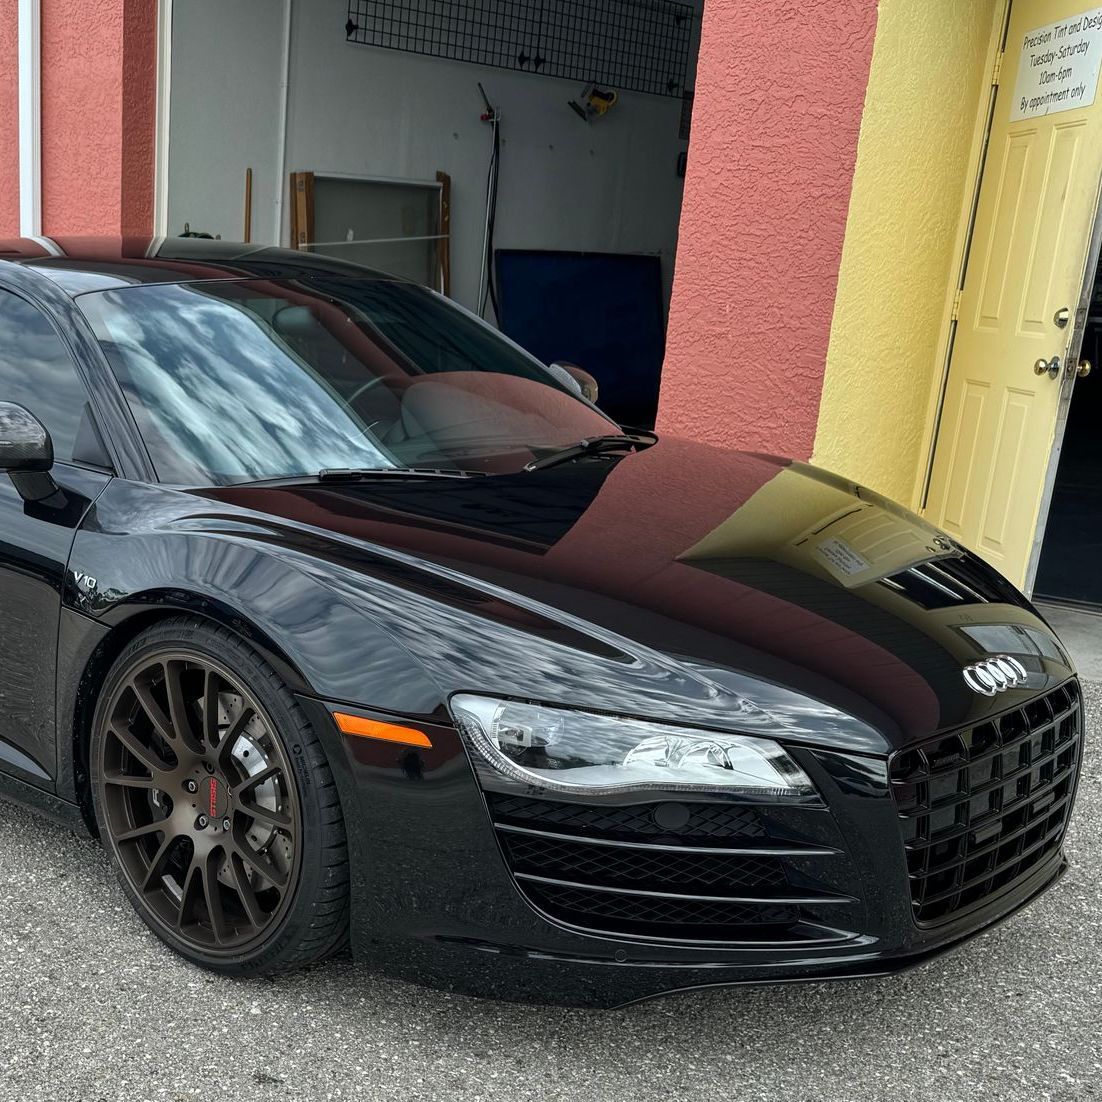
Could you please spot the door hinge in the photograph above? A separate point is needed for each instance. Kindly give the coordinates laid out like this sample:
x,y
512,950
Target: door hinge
x,y
996,75
954,314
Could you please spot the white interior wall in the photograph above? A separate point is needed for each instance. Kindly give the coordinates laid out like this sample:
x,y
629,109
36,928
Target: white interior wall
x,y
611,185
224,109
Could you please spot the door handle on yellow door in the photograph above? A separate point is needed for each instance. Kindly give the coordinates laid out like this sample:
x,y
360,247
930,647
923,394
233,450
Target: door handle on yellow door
x,y
1051,368
1084,369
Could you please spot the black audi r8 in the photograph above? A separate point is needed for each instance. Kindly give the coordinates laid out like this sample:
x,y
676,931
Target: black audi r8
x,y
339,617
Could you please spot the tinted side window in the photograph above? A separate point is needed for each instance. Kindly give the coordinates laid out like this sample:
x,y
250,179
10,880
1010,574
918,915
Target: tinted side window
x,y
37,371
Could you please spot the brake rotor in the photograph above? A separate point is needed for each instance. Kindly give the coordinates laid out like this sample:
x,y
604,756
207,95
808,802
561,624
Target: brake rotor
x,y
251,758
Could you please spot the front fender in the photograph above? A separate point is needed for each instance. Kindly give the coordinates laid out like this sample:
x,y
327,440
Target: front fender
x,y
144,547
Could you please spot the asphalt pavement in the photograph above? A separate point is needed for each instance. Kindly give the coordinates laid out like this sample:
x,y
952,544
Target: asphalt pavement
x,y
93,1007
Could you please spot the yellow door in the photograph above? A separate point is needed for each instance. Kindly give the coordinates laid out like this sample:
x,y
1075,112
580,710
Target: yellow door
x,y
1038,199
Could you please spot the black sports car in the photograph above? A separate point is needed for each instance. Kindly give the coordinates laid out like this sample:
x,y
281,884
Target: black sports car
x,y
336,615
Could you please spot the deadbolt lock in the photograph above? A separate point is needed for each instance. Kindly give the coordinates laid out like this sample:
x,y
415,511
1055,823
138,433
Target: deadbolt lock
x,y
1062,317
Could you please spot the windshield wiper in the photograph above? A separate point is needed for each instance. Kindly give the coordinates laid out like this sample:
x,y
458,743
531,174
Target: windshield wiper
x,y
595,445
361,474
355,474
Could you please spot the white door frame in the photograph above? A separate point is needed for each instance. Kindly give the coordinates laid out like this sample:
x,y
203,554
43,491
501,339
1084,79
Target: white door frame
x,y
30,117
164,92
281,141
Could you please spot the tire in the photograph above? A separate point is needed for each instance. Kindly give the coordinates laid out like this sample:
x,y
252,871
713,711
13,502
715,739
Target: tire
x,y
216,803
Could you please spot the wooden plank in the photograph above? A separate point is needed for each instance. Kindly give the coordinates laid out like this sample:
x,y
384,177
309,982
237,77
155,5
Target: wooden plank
x,y
302,209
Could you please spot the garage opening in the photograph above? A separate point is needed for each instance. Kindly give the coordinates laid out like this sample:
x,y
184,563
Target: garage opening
x,y
524,157
1072,549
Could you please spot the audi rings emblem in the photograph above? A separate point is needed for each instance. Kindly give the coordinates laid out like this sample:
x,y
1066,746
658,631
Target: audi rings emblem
x,y
995,675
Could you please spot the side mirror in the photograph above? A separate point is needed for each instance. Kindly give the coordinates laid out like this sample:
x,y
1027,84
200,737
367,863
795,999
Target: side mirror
x,y
25,445
581,381
26,452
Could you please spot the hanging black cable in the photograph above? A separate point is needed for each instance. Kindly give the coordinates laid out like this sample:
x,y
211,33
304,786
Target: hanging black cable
x,y
487,290
491,282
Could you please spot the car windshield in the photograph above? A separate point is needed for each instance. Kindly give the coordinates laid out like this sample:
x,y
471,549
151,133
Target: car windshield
x,y
241,381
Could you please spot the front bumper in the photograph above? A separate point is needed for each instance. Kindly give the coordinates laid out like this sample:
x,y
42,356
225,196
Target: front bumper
x,y
443,894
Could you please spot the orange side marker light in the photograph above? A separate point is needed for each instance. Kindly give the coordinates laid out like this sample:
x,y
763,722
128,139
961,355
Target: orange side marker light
x,y
387,732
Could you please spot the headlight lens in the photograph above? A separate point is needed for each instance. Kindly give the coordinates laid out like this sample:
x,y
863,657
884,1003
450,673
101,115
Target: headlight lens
x,y
584,753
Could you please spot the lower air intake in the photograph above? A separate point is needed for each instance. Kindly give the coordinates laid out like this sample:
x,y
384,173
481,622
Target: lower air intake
x,y
698,872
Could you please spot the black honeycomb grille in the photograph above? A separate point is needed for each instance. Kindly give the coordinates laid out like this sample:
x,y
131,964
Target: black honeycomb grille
x,y
635,911
982,807
633,822
685,870
691,871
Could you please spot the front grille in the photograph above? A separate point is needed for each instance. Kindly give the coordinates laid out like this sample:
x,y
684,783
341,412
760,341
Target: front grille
x,y
692,871
981,807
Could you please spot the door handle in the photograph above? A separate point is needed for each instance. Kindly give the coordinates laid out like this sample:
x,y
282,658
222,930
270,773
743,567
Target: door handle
x,y
1084,369
1051,368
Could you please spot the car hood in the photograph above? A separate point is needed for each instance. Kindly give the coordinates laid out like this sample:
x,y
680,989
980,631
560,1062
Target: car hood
x,y
784,595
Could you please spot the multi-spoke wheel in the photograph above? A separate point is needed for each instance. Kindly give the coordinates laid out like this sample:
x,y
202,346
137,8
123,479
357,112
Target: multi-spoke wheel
x,y
225,852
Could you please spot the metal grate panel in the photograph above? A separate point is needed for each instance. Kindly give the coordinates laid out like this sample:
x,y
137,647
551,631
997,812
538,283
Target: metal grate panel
x,y
685,870
633,821
685,916
979,808
626,45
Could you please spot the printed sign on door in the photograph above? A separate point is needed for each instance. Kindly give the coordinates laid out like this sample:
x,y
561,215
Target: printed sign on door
x,y
1059,67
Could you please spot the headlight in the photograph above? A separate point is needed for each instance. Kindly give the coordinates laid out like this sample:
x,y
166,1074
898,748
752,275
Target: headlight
x,y
584,753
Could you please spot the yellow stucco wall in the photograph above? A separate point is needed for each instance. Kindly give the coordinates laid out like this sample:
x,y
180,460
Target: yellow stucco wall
x,y
916,163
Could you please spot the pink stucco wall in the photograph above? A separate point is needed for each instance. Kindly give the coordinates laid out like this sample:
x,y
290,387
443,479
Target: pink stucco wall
x,y
99,72
780,91
9,119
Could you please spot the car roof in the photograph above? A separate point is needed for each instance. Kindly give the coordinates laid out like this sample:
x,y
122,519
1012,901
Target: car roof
x,y
80,264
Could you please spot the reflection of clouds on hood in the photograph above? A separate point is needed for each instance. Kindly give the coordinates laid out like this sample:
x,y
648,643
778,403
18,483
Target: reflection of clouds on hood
x,y
222,393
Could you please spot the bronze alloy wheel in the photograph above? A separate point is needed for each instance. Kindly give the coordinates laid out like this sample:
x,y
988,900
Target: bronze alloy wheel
x,y
215,799
200,805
